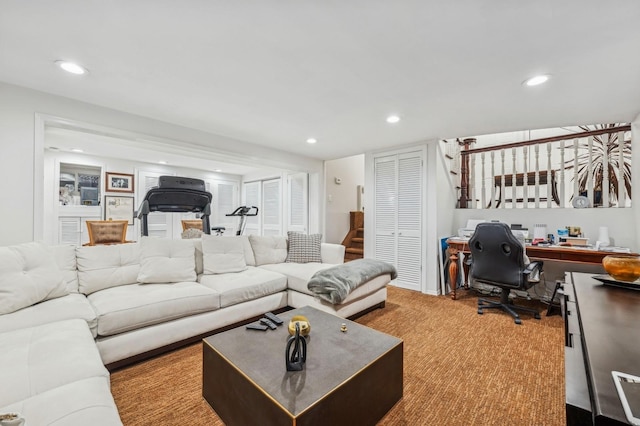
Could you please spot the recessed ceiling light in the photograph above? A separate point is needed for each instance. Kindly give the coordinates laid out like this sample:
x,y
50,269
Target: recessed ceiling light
x,y
218,170
71,67
538,79
76,150
393,119
162,162
312,140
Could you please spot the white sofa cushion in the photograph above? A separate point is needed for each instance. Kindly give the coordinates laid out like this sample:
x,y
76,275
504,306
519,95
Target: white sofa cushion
x,y
85,402
238,287
298,274
45,357
129,307
249,257
164,260
222,255
304,248
28,275
332,253
65,257
71,306
268,249
106,266
197,246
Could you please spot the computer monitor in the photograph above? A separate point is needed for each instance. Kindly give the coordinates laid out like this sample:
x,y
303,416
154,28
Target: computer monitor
x,y
89,196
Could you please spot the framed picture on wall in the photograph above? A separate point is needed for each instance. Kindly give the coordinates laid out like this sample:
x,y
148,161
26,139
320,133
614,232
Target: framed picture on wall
x,y
119,182
118,208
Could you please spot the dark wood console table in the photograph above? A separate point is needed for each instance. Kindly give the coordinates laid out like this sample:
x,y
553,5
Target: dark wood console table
x,y
557,253
602,333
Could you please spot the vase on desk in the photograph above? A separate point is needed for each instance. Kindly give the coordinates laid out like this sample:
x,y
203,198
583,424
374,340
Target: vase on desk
x,y
603,236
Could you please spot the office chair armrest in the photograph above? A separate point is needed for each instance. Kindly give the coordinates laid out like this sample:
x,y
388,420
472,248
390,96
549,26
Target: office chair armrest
x,y
532,267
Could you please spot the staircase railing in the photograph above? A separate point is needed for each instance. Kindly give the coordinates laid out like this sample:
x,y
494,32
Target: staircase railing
x,y
586,169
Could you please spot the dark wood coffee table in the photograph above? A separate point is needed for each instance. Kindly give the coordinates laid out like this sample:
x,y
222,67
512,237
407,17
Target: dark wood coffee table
x,y
350,378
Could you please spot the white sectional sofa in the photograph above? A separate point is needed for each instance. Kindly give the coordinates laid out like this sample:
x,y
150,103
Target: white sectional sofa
x,y
77,310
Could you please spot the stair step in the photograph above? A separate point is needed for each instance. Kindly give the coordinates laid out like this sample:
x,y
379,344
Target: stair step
x,y
349,258
361,229
357,239
354,250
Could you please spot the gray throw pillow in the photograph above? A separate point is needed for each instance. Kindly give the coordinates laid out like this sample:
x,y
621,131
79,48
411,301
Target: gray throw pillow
x,y
304,248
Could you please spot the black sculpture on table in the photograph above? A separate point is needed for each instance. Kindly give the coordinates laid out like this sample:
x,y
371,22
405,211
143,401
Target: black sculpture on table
x,y
296,352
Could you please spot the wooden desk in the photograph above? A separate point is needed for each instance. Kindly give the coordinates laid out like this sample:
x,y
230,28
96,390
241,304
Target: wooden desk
x,y
557,253
601,335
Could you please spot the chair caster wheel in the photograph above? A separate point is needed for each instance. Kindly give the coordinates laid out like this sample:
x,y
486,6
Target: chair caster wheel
x,y
537,316
479,311
518,321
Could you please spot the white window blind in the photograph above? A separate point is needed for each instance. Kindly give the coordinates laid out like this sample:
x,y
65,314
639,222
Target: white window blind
x,y
252,197
160,224
271,207
298,190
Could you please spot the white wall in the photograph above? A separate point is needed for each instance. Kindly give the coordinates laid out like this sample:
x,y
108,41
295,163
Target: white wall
x,y
621,223
341,198
22,164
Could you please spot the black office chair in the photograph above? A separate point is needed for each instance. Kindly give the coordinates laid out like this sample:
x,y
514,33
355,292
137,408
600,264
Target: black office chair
x,y
498,259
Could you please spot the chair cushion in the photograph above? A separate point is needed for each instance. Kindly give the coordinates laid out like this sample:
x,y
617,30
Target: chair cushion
x,y
222,255
268,249
164,260
129,307
84,402
250,284
45,357
101,267
28,275
304,248
71,306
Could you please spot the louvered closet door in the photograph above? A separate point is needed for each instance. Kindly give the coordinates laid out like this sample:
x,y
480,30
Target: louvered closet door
x,y
409,253
385,208
398,215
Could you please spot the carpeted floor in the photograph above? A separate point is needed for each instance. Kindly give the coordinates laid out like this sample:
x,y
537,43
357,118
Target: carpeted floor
x,y
460,368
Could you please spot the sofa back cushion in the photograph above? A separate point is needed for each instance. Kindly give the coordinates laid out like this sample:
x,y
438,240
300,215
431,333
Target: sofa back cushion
x,y
65,257
223,254
101,267
268,249
164,260
28,275
249,257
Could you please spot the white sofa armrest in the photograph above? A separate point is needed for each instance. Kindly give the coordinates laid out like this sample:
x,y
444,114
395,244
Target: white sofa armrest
x,y
332,253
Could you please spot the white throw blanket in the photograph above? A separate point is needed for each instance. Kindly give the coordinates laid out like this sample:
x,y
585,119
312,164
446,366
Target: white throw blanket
x,y
334,284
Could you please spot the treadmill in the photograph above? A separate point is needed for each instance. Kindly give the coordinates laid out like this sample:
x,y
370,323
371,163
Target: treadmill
x,y
176,194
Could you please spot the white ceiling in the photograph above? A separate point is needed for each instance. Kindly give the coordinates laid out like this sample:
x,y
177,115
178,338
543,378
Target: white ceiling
x,y
275,72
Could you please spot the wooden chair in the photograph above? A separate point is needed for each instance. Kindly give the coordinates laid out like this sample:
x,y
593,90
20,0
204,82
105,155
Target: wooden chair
x,y
191,223
107,232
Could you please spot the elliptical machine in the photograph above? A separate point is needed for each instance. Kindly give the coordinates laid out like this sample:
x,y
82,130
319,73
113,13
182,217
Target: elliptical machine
x,y
243,212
